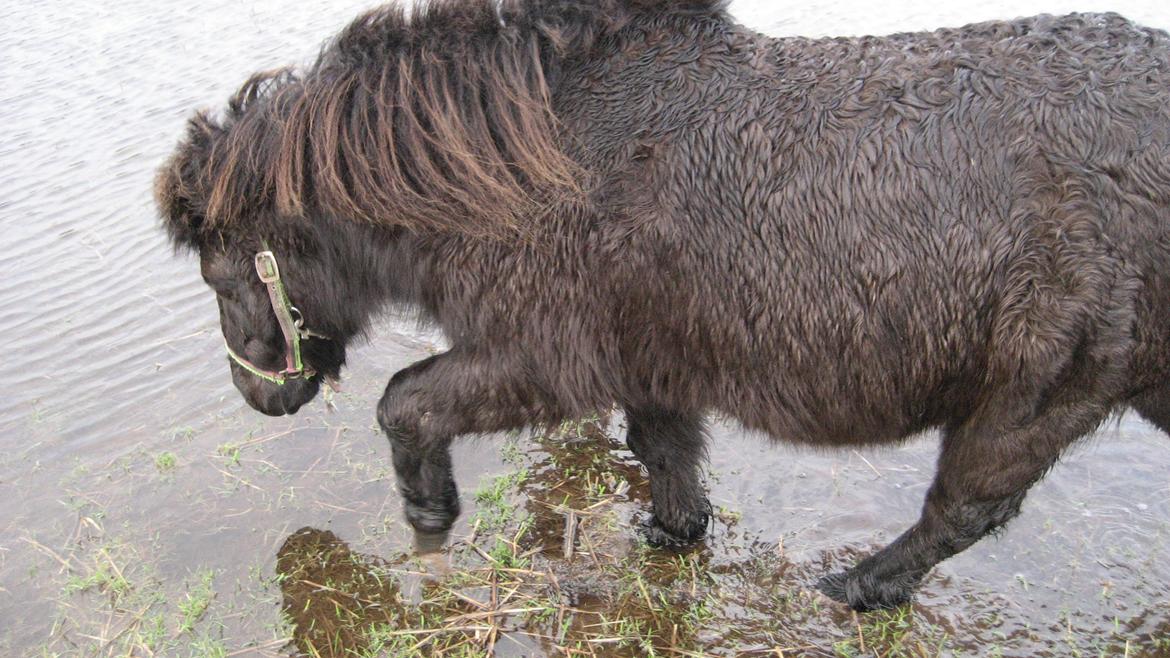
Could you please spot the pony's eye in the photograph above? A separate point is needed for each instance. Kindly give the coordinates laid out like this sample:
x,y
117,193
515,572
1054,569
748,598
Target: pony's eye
x,y
224,289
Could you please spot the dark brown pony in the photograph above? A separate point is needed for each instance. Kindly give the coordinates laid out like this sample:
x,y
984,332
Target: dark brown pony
x,y
641,203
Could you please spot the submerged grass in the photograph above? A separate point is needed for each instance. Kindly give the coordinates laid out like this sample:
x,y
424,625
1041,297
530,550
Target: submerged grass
x,y
548,569
548,564
113,603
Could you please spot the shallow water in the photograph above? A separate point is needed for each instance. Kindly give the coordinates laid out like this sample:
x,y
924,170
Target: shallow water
x,y
124,448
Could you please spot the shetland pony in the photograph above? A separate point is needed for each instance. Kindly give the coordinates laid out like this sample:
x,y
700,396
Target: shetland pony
x,y
641,203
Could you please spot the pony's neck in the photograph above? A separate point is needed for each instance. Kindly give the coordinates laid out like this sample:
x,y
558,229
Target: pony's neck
x,y
356,271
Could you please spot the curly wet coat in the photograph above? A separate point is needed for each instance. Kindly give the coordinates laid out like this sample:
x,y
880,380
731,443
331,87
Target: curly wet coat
x,y
642,203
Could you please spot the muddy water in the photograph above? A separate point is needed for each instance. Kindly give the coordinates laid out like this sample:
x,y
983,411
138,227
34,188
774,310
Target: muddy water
x,y
131,473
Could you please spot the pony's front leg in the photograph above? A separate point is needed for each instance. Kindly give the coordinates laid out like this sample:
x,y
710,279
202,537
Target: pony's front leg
x,y
427,405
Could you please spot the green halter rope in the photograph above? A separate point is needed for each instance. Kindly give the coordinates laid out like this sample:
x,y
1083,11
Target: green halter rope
x,y
292,327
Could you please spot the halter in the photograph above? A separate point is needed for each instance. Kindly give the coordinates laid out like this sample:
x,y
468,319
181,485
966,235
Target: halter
x,y
291,325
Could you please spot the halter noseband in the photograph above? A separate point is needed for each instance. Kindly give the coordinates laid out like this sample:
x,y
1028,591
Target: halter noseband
x,y
291,325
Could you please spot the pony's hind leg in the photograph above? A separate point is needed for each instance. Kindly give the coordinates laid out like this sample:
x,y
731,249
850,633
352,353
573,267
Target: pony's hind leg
x,y
424,407
671,446
985,469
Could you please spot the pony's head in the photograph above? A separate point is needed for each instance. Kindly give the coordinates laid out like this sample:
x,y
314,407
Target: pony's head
x,y
278,341
440,124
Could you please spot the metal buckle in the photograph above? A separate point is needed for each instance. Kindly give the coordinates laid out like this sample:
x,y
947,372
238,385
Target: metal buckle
x,y
303,373
266,267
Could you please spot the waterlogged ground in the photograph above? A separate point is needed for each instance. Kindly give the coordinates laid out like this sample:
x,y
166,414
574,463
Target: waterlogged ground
x,y
144,511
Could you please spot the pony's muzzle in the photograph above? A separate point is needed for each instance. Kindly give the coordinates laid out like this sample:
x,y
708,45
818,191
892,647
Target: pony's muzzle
x,y
274,399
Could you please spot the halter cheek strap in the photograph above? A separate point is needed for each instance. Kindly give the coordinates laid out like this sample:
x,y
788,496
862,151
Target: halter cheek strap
x,y
291,325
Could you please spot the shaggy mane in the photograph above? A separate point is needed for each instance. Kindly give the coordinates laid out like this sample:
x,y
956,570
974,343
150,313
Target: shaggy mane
x,y
434,119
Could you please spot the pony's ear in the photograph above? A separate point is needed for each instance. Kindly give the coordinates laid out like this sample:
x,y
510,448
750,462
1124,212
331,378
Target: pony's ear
x,y
177,185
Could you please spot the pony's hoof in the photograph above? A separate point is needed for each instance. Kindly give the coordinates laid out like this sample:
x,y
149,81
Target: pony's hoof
x,y
863,594
657,536
430,521
430,543
833,586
